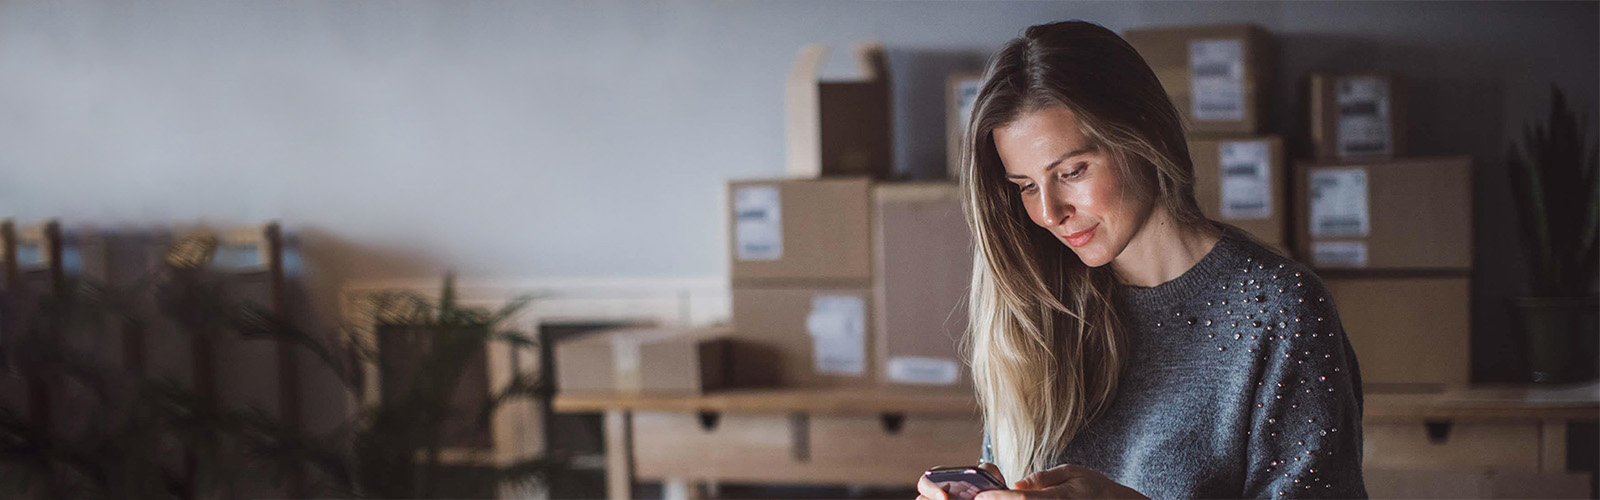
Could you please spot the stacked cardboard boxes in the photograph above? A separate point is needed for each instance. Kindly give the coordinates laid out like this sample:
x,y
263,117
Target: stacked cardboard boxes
x,y
844,283
1393,241
1240,181
1217,77
1358,115
801,270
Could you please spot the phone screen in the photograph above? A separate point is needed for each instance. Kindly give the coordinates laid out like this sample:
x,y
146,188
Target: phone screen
x,y
963,483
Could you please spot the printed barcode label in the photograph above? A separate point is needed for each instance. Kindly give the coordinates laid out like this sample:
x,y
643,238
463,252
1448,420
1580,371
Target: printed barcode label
x,y
1363,104
1246,179
1216,80
923,370
1339,202
1339,254
757,223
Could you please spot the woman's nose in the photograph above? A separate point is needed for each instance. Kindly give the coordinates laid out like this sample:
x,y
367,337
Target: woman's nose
x,y
1053,207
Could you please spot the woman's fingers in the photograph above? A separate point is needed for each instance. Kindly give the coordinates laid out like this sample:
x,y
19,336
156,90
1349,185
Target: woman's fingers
x,y
994,470
927,490
1053,476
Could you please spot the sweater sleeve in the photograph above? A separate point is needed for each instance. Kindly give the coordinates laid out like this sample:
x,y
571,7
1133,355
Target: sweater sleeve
x,y
1305,434
986,456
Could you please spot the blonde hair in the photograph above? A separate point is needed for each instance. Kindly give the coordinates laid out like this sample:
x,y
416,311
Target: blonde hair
x,y
1044,339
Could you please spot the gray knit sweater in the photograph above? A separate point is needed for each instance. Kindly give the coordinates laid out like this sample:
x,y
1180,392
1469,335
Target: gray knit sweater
x,y
1241,385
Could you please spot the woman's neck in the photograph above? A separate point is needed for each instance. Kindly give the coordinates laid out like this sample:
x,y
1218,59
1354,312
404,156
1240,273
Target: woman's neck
x,y
1162,250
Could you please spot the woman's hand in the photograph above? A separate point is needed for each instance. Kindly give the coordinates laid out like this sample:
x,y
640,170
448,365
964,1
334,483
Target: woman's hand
x,y
1065,481
926,490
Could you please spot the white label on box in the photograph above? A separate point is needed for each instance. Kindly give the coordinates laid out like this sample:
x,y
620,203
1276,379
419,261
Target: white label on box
x,y
1339,202
625,353
966,95
920,370
1339,254
1216,80
838,328
1363,104
758,223
1246,180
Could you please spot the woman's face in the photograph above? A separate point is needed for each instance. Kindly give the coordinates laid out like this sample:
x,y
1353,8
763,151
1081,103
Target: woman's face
x,y
1071,187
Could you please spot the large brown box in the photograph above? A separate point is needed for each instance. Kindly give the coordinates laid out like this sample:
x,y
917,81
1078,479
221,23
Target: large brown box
x,y
802,337
922,251
839,128
1356,115
1217,76
1412,213
1240,181
645,360
1408,333
800,232
1484,483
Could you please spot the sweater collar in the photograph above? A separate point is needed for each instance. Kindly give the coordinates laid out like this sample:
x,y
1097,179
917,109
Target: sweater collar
x,y
1223,260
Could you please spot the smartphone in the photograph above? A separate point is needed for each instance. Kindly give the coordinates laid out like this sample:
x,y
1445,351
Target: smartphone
x,y
963,482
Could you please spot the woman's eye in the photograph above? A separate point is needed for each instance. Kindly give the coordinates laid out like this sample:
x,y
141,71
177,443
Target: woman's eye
x,y
1077,171
1028,188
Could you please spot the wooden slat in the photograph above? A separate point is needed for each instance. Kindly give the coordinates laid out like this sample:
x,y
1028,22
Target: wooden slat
x,y
1489,402
812,401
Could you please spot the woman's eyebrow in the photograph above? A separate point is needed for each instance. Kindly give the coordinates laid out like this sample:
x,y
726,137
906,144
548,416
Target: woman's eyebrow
x,y
1083,150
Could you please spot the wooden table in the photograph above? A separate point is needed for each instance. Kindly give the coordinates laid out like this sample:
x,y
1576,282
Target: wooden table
x,y
790,412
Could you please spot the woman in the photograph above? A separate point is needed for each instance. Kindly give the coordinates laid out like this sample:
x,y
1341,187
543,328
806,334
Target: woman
x,y
1123,345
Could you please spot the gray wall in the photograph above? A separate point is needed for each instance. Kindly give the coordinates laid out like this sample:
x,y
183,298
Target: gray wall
x,y
592,138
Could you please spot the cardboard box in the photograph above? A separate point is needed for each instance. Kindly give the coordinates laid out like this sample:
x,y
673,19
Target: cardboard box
x,y
1413,213
1407,332
1240,181
960,92
839,128
646,360
800,232
1390,483
1356,115
1217,76
922,250
803,337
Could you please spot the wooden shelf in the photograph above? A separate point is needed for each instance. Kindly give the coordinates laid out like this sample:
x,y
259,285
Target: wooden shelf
x,y
811,401
1496,402
1489,402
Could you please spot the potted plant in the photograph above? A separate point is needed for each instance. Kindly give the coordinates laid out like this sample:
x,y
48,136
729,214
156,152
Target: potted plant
x,y
1558,199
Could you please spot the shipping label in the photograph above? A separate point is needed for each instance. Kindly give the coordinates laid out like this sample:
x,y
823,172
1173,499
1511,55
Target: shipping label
x,y
1216,80
1339,202
1339,254
922,370
1364,124
838,328
1246,179
757,223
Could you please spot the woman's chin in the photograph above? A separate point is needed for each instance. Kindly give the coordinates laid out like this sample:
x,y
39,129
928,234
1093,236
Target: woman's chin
x,y
1091,256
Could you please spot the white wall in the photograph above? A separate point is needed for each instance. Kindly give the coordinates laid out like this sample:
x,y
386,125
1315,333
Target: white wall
x,y
592,138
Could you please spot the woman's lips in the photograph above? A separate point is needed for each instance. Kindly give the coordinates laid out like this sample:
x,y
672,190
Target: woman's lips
x,y
1081,238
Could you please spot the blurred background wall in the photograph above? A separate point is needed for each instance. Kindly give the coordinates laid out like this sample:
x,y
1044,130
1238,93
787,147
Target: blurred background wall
x,y
593,138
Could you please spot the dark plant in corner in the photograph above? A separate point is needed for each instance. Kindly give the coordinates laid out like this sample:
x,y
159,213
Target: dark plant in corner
x,y
1557,192
149,437
392,448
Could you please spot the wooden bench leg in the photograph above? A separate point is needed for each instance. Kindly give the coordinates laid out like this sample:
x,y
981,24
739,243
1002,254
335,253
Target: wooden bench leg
x,y
1553,446
619,454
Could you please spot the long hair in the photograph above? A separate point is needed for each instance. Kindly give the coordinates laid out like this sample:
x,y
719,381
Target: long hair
x,y
1044,338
